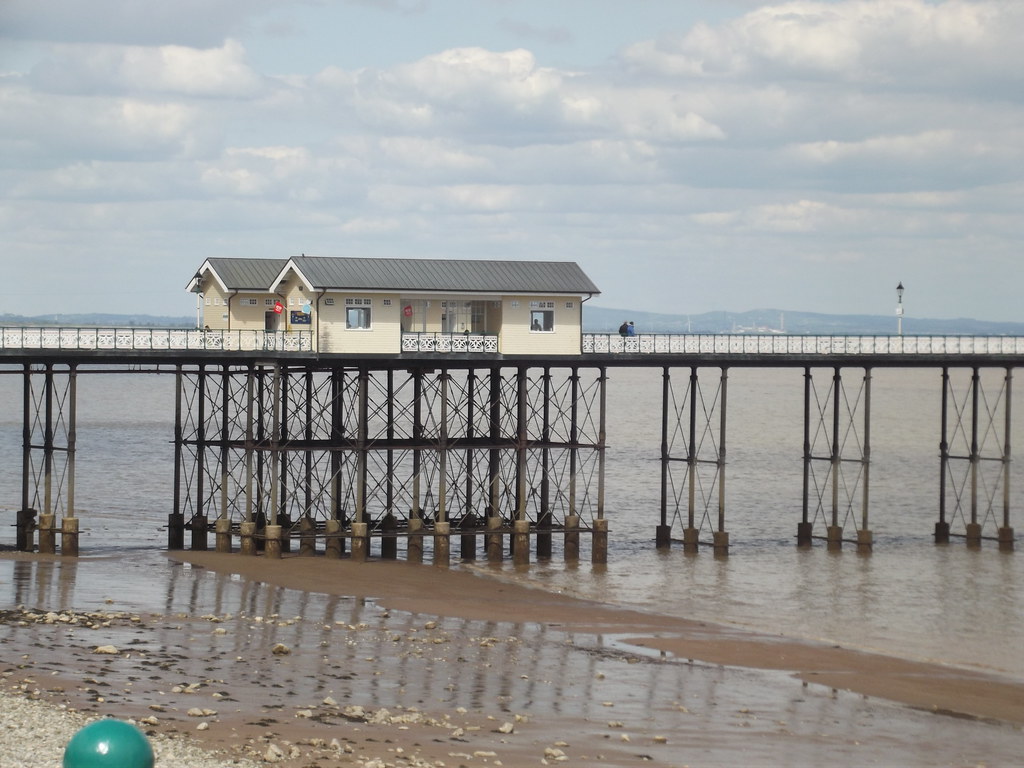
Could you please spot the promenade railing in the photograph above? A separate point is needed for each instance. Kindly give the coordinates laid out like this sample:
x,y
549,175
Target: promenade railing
x,y
786,344
449,342
158,339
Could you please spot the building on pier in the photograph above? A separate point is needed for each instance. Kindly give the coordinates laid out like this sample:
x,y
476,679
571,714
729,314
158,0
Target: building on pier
x,y
388,306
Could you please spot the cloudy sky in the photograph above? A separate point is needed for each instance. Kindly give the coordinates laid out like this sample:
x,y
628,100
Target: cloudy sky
x,y
689,155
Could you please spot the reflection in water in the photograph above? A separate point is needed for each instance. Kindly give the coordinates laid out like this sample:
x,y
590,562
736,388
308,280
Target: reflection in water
x,y
213,644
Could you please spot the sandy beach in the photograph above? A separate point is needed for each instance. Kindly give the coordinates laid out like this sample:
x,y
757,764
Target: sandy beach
x,y
304,662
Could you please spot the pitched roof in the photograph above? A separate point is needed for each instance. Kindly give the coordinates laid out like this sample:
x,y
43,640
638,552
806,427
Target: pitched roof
x,y
247,274
470,276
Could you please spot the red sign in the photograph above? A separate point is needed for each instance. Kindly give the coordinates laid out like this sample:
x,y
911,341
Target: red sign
x,y
407,310
278,307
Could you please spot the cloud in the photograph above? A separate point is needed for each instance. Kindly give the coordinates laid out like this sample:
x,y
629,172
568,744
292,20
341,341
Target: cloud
x,y
168,69
865,134
191,23
876,43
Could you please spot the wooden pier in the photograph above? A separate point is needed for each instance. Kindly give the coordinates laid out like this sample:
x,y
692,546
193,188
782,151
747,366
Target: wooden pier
x,y
280,449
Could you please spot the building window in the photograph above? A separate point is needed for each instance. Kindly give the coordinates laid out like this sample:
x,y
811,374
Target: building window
x,y
269,302
329,302
569,305
249,302
357,318
542,320
357,313
387,302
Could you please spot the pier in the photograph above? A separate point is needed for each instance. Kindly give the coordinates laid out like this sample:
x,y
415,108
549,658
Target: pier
x,y
450,449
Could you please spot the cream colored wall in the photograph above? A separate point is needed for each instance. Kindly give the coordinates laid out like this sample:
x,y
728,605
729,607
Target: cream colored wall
x,y
214,304
383,336
517,339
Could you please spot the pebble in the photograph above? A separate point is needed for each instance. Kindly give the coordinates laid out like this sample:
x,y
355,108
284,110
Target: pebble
x,y
35,735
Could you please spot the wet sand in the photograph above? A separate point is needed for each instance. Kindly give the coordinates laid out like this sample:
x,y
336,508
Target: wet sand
x,y
316,662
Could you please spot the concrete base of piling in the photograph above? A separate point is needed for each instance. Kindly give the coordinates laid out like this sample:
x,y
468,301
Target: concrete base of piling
x,y
335,544
571,546
222,534
272,547
942,533
414,551
865,541
663,537
200,528
493,544
307,536
360,542
599,551
47,535
721,543
1006,539
442,543
69,537
691,540
974,534
247,538
175,531
521,542
389,537
25,537
834,538
804,533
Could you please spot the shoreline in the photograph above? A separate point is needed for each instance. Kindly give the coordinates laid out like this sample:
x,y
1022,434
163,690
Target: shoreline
x,y
394,664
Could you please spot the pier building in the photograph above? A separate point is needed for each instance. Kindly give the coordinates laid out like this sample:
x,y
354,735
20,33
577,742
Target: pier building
x,y
386,306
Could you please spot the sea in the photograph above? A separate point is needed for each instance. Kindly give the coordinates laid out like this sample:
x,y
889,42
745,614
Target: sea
x,y
908,597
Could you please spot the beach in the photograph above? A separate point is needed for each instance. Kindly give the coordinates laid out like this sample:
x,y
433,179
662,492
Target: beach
x,y
312,662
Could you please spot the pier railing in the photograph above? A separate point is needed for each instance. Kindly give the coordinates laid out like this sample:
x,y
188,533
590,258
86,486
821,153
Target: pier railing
x,y
155,339
784,344
174,339
449,342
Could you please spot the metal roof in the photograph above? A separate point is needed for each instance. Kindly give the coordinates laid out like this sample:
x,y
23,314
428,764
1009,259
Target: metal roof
x,y
471,276
247,274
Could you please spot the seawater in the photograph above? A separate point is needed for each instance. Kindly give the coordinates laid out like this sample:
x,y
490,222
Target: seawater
x,y
909,597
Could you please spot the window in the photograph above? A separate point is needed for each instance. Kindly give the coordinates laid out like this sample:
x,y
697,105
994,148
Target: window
x,y
249,302
569,305
387,302
542,320
357,313
329,302
460,316
357,318
269,302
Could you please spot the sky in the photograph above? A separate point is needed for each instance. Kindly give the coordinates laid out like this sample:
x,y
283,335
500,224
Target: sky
x,y
689,156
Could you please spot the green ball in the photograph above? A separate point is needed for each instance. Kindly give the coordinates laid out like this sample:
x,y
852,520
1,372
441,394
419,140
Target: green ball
x,y
108,744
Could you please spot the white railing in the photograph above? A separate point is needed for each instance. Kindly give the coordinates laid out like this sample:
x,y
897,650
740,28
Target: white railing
x,y
155,339
783,344
449,343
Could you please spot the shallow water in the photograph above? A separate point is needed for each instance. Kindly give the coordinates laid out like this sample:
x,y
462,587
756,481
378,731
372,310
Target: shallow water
x,y
910,597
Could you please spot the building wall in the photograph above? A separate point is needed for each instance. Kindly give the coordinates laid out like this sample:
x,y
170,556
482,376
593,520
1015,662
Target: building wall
x,y
383,336
517,338
510,318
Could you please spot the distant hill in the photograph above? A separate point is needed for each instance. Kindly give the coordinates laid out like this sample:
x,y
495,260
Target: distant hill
x,y
94,320
602,319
